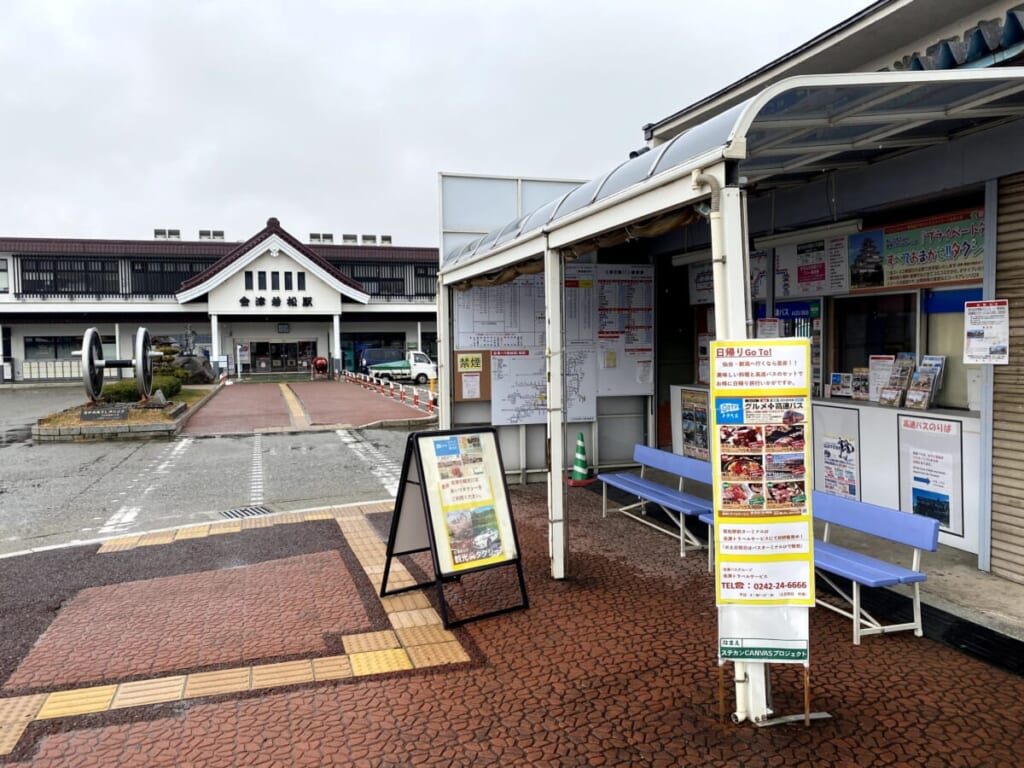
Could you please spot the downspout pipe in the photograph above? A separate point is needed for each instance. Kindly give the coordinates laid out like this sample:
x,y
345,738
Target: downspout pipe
x,y
699,179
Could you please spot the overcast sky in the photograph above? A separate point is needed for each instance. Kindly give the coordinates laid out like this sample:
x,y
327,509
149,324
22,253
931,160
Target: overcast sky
x,y
120,116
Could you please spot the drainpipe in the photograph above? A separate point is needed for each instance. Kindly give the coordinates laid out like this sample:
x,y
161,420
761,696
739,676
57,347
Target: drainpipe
x,y
700,178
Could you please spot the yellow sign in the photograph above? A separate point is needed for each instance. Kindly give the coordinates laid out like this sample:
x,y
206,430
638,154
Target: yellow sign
x,y
472,362
760,439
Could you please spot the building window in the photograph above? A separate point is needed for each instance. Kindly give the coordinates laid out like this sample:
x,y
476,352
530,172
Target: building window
x,y
275,281
874,325
287,281
4,284
261,280
248,280
300,281
426,279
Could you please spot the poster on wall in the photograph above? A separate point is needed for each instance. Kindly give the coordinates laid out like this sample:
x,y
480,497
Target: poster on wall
x,y
936,250
625,329
814,268
987,332
579,319
760,431
694,409
702,279
836,450
509,316
519,388
931,470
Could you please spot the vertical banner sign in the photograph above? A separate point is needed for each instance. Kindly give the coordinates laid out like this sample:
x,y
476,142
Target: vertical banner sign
x,y
761,458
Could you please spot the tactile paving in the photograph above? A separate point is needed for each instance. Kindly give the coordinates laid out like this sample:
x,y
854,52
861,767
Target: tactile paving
x,y
379,662
80,701
370,641
437,654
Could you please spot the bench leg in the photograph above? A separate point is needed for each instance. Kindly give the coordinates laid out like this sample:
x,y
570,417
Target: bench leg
x,y
856,613
918,630
604,500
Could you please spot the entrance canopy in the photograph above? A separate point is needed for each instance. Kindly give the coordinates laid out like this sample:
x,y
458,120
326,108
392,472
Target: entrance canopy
x,y
793,131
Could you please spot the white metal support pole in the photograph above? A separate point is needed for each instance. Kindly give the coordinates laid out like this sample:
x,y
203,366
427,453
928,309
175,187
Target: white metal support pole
x,y
557,533
215,339
444,357
336,339
730,264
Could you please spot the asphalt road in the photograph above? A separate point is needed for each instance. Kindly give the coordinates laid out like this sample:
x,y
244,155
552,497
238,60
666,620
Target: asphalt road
x,y
58,493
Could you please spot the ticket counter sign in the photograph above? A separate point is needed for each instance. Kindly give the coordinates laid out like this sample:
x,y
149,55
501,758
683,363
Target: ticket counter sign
x,y
761,458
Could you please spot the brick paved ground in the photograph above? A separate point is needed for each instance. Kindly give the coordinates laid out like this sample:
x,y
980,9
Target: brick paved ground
x,y
240,408
328,402
146,628
612,667
249,407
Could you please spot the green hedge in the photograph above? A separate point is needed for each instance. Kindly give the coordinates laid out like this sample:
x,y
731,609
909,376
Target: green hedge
x,y
125,391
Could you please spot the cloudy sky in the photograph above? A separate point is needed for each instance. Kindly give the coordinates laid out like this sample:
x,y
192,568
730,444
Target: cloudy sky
x,y
120,116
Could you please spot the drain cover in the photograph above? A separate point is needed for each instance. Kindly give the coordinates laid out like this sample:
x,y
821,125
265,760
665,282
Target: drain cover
x,y
240,512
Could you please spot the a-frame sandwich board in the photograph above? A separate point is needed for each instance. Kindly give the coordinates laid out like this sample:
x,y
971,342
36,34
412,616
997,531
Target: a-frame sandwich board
x,y
453,502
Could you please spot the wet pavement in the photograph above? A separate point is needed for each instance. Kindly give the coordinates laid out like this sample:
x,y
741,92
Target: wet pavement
x,y
613,666
263,642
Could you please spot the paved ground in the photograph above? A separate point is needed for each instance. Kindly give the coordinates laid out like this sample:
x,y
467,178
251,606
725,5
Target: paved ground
x,y
245,408
288,658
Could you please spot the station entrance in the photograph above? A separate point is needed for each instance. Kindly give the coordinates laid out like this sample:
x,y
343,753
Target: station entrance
x,y
281,356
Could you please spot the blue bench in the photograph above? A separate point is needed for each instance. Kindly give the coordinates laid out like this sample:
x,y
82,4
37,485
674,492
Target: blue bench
x,y
830,559
675,502
915,531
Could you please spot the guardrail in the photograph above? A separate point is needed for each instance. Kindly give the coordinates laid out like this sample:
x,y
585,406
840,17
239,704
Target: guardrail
x,y
422,398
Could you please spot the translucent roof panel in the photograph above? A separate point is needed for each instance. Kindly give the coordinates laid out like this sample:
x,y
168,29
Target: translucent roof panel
x,y
627,174
541,216
580,197
700,139
510,231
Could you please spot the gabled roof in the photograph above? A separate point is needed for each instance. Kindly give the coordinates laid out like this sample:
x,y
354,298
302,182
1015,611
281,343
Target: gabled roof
x,y
236,259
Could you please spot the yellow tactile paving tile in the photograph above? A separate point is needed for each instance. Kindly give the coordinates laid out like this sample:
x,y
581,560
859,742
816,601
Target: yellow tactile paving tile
x,y
81,701
406,602
427,634
437,654
119,545
192,532
284,673
10,733
310,516
416,618
379,662
295,408
235,526
370,641
332,668
154,539
142,692
15,715
256,522
215,683
288,517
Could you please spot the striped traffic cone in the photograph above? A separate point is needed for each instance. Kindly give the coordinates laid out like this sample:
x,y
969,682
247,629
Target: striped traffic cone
x,y
580,473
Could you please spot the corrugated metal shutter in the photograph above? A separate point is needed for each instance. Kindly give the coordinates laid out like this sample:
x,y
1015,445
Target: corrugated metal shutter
x,y
1008,390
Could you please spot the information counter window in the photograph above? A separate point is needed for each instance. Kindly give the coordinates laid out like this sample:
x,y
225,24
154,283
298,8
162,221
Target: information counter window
x,y
873,325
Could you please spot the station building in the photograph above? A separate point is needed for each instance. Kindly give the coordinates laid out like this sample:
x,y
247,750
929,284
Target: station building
x,y
270,304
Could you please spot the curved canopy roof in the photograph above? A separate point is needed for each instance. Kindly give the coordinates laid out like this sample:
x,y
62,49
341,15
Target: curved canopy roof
x,y
794,130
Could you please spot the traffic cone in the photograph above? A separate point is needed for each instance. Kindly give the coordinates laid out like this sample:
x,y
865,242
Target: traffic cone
x,y
580,473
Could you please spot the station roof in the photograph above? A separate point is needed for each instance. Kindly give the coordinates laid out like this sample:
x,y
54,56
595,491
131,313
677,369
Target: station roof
x,y
792,131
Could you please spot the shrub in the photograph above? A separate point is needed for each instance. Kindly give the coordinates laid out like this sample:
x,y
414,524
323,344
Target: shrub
x,y
125,391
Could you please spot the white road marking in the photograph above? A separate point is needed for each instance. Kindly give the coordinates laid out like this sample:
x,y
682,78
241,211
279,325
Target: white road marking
x,y
256,471
383,467
164,462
